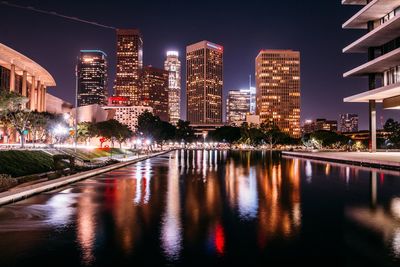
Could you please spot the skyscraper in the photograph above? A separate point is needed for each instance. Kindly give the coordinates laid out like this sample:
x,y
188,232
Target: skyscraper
x,y
154,91
238,105
92,78
204,83
173,66
278,89
129,63
348,123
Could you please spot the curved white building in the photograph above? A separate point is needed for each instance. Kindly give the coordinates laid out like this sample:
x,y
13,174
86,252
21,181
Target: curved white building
x,y
381,42
22,75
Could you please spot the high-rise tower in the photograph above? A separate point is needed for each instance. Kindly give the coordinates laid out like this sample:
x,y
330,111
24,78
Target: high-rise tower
x,y
204,83
129,63
278,89
173,66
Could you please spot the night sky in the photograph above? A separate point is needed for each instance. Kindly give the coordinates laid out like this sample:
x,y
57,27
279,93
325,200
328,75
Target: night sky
x,y
242,27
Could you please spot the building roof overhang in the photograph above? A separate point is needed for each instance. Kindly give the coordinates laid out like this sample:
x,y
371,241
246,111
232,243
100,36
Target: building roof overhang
x,y
378,65
9,56
377,37
354,2
378,94
376,9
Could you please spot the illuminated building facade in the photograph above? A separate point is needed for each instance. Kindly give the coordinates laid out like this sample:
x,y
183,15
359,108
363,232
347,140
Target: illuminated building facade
x,y
238,106
380,42
129,63
348,123
127,115
22,75
204,83
278,89
311,126
173,66
92,78
154,91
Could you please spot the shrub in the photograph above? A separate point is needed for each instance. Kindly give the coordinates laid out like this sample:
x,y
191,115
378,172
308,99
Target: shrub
x,y
6,182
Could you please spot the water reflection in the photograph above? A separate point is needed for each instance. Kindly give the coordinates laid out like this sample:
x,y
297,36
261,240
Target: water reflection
x,y
171,229
210,208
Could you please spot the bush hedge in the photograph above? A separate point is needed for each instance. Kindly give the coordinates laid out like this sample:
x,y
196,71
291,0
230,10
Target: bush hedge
x,y
20,163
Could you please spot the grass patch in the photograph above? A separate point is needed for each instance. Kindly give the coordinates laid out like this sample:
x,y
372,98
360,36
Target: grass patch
x,y
89,154
20,163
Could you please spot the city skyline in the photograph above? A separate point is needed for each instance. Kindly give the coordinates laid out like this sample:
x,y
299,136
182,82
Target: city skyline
x,y
323,88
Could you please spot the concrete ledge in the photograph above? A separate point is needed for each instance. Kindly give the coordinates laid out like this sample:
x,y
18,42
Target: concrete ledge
x,y
28,191
374,160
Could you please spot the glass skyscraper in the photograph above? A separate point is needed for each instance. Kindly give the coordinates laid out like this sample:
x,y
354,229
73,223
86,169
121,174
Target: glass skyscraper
x,y
92,78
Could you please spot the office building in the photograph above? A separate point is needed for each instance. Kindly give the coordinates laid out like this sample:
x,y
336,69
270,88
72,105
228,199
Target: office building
x,y
278,89
238,106
173,66
127,115
348,123
381,21
154,91
129,63
204,84
92,78
311,126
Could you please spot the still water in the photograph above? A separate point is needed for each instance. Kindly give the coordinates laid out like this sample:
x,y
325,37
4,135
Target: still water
x,y
211,208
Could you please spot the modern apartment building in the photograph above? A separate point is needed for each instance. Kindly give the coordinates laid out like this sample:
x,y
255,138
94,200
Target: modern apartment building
x,y
379,21
278,89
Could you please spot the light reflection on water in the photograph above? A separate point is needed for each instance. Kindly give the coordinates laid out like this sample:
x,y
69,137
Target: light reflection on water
x,y
211,208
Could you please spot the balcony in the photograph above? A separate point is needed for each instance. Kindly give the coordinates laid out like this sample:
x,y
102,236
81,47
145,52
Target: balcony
x,y
375,10
377,37
354,2
378,94
378,65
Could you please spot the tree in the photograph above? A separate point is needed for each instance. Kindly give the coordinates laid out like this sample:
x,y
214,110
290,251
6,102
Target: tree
x,y
329,139
13,110
250,135
85,131
153,127
112,130
272,133
228,134
393,128
147,124
184,131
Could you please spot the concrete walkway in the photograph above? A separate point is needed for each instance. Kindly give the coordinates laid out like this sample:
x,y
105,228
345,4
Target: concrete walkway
x,y
385,160
28,191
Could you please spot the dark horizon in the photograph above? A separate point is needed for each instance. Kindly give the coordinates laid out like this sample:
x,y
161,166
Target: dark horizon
x,y
313,28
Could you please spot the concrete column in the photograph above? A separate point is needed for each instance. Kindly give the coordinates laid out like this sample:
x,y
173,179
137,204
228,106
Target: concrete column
x,y
43,98
24,83
37,102
12,78
372,125
32,93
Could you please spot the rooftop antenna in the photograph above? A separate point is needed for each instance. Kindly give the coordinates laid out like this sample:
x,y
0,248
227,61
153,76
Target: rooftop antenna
x,y
250,81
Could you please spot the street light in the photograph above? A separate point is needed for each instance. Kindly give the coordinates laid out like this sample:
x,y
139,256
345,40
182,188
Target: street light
x,y
204,139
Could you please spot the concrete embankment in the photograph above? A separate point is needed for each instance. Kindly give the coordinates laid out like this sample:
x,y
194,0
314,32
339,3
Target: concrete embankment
x,y
28,191
380,160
